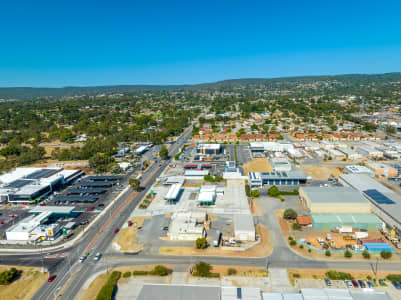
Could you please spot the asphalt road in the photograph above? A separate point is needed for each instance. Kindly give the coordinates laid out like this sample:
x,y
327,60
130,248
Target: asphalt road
x,y
69,267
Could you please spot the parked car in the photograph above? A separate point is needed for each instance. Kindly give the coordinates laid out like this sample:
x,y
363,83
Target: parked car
x,y
101,205
362,284
82,258
51,278
354,283
129,223
396,285
370,284
91,208
382,283
1,222
348,283
97,256
116,230
327,281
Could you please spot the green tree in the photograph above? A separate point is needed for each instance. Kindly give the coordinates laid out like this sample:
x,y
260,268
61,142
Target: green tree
x,y
390,129
135,184
201,243
366,254
163,153
290,214
255,193
202,269
386,254
347,254
160,270
327,253
273,191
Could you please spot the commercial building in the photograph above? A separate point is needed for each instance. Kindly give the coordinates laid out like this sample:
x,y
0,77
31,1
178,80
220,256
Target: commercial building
x,y
178,292
26,185
195,174
384,202
209,149
383,170
206,195
335,154
333,199
327,221
258,179
141,150
370,152
357,169
280,164
33,227
187,226
244,227
270,147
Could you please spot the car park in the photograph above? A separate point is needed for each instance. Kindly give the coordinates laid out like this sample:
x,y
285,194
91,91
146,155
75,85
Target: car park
x,y
355,284
51,278
327,281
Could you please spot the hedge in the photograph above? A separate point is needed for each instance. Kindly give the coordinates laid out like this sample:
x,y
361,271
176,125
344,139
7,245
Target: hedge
x,y
209,275
6,277
334,275
107,291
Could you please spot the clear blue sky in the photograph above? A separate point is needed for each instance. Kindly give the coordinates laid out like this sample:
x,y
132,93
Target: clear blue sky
x,y
60,42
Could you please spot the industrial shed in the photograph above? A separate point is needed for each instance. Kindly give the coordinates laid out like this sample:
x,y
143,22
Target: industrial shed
x,y
244,228
333,199
327,221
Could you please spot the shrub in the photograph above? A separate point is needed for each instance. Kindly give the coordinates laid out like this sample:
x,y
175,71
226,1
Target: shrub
x,y
309,250
366,254
202,269
255,193
394,277
296,275
160,270
201,243
127,274
290,214
273,191
208,178
327,253
347,254
290,238
107,291
301,246
334,275
6,277
248,190
231,271
293,242
296,226
386,254
140,273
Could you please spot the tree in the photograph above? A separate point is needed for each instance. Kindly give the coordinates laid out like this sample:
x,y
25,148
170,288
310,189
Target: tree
x,y
135,184
386,254
160,270
390,129
327,253
163,153
273,191
201,243
290,214
296,226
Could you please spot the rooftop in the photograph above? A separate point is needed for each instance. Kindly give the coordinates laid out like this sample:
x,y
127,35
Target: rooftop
x,y
333,195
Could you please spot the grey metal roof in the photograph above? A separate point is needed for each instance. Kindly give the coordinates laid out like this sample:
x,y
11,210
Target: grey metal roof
x,y
370,295
178,292
333,195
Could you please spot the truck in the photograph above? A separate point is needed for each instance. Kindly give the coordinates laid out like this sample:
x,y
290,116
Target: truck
x,y
216,242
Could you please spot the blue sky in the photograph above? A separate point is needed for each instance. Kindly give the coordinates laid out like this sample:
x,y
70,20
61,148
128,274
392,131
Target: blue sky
x,y
64,43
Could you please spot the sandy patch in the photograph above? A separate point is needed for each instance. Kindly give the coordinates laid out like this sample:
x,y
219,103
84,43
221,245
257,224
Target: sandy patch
x,y
126,240
322,172
256,208
283,223
257,165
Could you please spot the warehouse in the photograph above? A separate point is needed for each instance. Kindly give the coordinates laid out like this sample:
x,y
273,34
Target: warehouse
x,y
357,169
195,174
281,165
370,152
258,179
209,149
333,199
350,154
362,221
335,154
270,146
384,202
244,227
383,170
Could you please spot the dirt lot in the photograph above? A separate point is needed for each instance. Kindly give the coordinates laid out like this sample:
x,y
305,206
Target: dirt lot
x,y
322,172
26,286
283,223
262,249
256,208
241,271
257,165
127,239
320,274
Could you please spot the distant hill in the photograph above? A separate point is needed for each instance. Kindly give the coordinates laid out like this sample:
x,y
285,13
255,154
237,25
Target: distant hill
x,y
26,93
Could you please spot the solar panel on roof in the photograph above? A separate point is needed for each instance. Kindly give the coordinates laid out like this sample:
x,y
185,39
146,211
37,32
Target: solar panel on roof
x,y
18,183
378,197
41,174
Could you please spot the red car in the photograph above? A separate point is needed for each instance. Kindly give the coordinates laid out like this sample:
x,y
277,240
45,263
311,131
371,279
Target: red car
x,y
91,208
116,230
129,223
12,216
51,278
1,222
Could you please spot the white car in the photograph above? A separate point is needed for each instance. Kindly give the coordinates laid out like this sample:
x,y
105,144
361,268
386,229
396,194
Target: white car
x,y
97,256
82,259
348,283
